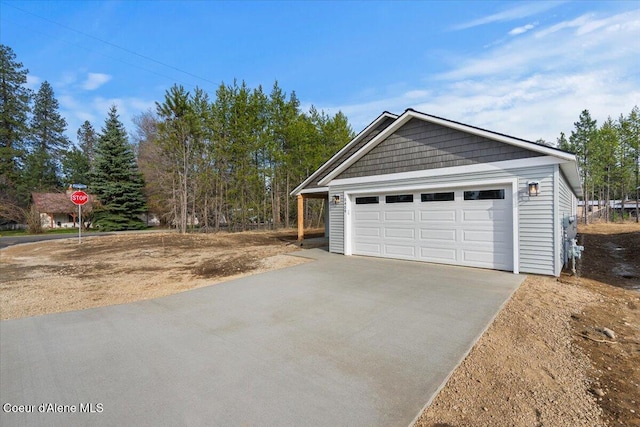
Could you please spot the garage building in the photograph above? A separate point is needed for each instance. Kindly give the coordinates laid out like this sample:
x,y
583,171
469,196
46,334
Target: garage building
x,y
419,187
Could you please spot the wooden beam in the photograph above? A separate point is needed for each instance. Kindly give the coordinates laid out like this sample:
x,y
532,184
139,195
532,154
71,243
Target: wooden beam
x,y
300,217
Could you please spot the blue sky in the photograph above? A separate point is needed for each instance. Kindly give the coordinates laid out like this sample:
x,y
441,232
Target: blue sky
x,y
526,69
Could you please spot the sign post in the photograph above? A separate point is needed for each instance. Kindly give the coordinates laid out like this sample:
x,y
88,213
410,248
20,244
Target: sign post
x,y
79,198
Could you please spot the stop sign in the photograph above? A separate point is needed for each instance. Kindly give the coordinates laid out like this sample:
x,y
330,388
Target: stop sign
x,y
79,197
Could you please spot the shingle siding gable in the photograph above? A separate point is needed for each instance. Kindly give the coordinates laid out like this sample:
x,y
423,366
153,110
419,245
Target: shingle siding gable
x,y
348,153
420,145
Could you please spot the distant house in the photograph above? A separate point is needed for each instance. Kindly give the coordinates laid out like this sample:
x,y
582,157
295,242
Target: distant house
x,y
598,207
57,211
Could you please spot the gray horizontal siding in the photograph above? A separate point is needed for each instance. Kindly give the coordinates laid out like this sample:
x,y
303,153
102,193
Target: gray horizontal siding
x,y
420,145
565,208
536,222
336,223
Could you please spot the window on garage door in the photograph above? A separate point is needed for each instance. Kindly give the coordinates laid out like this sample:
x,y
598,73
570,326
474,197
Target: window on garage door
x,y
437,197
399,198
369,200
484,195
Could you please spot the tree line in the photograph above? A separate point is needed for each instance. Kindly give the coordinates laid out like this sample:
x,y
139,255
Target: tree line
x,y
232,161
224,162
609,160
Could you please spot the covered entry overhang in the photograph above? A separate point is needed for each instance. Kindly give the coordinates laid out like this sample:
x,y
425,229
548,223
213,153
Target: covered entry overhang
x,y
312,193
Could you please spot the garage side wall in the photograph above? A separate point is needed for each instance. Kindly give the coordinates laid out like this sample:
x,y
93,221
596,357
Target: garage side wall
x,y
537,243
336,222
566,208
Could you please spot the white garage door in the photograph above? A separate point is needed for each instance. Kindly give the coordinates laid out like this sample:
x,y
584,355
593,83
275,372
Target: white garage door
x,y
466,226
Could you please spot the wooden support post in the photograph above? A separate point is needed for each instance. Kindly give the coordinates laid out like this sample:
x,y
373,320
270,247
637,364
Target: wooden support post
x,y
300,217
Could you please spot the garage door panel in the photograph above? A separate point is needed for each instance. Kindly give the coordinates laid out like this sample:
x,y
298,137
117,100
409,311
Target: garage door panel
x,y
440,254
400,233
476,256
487,260
400,216
493,235
478,215
475,233
363,248
443,235
400,250
366,215
433,215
367,232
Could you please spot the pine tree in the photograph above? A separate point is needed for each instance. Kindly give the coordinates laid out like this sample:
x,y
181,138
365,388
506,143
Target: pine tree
x,y
87,139
47,142
629,158
76,167
177,142
77,162
116,180
47,125
581,141
632,133
14,108
563,144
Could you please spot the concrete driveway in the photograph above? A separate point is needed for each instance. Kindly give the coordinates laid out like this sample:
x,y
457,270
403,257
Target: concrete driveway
x,y
340,341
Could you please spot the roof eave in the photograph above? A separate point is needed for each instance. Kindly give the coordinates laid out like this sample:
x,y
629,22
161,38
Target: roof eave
x,y
571,172
409,114
355,140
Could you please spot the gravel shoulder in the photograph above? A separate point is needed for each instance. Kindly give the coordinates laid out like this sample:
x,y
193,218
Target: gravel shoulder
x,y
546,359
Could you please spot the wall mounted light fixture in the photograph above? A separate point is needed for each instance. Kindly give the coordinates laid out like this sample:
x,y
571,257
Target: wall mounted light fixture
x,y
534,188
336,199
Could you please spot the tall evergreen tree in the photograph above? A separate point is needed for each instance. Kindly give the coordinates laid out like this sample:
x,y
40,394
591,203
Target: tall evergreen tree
x,y
234,160
178,144
76,167
602,164
115,179
77,162
87,139
47,142
629,156
581,142
14,108
631,132
47,125
562,142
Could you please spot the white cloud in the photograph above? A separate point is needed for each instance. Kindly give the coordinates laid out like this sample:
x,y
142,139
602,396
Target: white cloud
x,y
413,94
565,46
95,80
521,11
521,30
78,108
577,22
66,80
532,86
68,102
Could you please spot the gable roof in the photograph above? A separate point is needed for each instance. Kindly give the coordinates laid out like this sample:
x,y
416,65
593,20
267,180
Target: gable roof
x,y
327,166
567,160
53,203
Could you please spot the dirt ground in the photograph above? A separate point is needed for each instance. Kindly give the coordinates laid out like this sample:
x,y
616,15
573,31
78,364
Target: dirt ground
x,y
545,361
62,275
